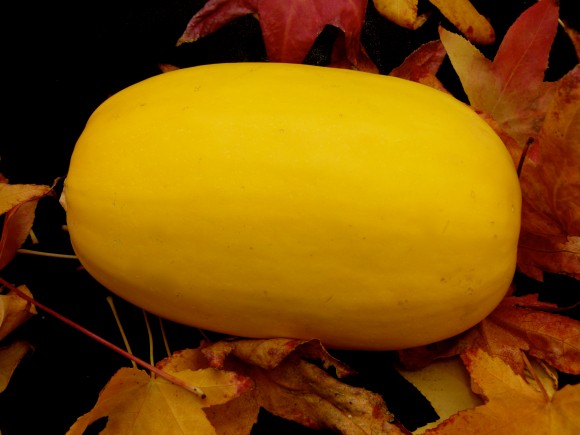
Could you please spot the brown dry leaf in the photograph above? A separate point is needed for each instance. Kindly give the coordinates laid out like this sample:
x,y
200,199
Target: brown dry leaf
x,y
517,324
422,65
289,28
461,13
137,403
14,311
10,357
289,386
512,406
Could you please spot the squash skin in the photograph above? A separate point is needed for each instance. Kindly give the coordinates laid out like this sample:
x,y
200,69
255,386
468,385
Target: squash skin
x,y
274,200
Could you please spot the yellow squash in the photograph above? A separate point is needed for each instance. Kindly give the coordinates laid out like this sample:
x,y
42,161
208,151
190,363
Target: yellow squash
x,y
276,200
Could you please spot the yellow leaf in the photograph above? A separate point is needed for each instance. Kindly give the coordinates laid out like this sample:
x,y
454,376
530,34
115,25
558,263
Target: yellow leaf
x,y
136,403
401,12
465,17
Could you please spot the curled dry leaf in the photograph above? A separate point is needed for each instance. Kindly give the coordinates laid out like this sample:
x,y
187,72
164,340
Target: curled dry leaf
x,y
290,386
289,29
459,12
401,12
474,26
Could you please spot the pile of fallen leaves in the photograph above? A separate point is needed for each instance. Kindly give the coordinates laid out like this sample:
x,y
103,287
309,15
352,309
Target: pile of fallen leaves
x,y
501,376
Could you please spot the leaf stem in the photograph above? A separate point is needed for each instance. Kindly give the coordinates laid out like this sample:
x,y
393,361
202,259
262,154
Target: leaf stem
x,y
46,254
149,335
167,376
120,326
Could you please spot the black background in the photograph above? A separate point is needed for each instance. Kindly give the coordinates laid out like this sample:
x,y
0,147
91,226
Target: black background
x,y
61,61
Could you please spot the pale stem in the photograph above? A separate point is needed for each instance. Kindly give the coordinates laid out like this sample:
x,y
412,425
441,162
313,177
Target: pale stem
x,y
120,326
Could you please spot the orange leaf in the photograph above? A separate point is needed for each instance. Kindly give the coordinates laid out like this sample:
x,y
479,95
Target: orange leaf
x,y
512,406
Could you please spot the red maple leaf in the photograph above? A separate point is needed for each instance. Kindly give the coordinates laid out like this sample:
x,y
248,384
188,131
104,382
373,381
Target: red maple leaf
x,y
511,93
290,27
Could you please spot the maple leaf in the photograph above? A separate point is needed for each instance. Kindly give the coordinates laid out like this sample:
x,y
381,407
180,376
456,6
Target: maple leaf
x,y
289,386
136,402
289,28
18,204
503,391
422,65
459,12
511,88
235,417
14,311
518,324
525,110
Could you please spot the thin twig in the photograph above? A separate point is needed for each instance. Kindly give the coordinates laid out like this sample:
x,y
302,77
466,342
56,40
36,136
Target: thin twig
x,y
168,377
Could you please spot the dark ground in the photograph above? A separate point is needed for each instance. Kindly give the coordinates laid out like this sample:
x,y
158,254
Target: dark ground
x,y
61,62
